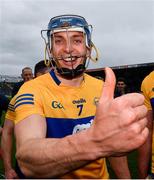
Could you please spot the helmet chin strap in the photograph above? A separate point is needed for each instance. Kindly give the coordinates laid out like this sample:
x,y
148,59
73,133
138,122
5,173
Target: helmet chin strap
x,y
70,73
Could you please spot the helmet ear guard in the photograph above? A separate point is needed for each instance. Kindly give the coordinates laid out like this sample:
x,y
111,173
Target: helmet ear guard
x,y
46,61
46,49
94,58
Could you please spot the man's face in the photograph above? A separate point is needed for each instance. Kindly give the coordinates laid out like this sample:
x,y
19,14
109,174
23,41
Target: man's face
x,y
69,48
121,85
27,75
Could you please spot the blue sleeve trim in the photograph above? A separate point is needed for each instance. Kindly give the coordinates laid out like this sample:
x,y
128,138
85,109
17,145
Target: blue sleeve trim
x,y
23,103
31,95
24,99
11,108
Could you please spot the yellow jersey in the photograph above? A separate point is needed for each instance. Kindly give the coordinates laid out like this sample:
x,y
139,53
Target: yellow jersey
x,y
10,114
67,110
147,88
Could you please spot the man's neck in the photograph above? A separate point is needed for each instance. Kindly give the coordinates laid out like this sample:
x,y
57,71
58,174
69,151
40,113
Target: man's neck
x,y
76,82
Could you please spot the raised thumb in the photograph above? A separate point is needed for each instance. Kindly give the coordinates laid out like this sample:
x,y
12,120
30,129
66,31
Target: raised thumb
x,y
109,85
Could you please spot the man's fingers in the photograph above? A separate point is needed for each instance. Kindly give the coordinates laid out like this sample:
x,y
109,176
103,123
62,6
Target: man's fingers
x,y
139,126
140,139
132,115
131,99
109,86
141,111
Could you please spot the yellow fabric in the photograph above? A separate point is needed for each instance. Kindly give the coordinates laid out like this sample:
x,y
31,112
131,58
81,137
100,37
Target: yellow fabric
x,y
45,94
63,103
95,170
10,114
147,88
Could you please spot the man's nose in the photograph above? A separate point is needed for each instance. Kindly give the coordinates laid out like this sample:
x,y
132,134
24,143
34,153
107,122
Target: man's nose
x,y
68,46
29,76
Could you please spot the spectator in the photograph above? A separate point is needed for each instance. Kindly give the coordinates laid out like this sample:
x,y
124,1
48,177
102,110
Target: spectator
x,y
59,132
146,151
121,87
26,76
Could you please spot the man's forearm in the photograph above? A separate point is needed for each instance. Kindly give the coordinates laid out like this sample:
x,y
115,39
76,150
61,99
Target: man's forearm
x,y
7,150
59,155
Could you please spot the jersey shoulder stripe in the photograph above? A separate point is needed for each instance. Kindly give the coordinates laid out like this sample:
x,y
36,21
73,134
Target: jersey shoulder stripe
x,y
24,99
11,107
23,104
24,95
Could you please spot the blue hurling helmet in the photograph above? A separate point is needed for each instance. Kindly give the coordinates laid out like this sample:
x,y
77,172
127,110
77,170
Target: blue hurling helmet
x,y
69,21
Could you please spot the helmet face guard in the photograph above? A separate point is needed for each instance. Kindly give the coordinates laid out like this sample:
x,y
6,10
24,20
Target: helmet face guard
x,y
67,23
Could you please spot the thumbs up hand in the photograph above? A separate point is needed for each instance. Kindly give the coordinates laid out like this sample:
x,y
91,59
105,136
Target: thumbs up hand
x,y
120,124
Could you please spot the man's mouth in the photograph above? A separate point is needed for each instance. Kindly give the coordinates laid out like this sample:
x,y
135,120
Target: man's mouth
x,y
70,61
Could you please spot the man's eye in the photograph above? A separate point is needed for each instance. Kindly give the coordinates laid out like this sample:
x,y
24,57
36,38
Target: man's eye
x,y
77,41
58,41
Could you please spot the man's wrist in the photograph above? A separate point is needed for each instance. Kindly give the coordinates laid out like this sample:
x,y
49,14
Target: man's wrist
x,y
85,145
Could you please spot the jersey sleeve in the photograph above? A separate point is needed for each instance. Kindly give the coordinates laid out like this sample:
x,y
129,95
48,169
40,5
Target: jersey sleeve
x,y
145,90
28,101
10,114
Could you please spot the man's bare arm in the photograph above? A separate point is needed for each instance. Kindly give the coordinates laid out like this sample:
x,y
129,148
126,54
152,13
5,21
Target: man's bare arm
x,y
144,152
6,144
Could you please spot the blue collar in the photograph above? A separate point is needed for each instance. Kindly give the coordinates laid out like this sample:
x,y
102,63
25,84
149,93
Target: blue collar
x,y
54,77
